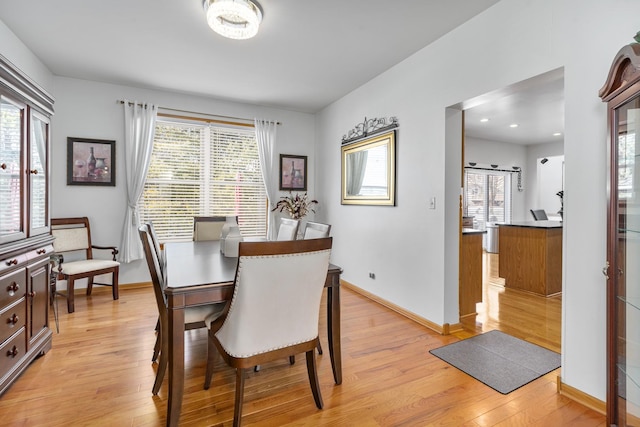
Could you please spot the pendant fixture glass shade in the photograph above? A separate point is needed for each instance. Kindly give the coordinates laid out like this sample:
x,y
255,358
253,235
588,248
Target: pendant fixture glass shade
x,y
235,19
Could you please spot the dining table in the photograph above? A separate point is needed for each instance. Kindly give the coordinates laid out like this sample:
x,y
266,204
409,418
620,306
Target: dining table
x,y
197,273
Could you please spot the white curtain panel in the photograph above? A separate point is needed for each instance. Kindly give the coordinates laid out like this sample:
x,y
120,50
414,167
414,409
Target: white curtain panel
x,y
139,124
266,137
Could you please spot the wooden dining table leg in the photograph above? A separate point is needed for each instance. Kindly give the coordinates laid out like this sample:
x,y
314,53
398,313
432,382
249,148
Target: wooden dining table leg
x,y
176,365
333,326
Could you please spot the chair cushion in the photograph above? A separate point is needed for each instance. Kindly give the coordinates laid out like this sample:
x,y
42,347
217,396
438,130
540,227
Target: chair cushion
x,y
86,265
207,313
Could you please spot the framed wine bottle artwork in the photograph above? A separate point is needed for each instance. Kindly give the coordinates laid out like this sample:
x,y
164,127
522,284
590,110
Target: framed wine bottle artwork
x,y
91,161
293,172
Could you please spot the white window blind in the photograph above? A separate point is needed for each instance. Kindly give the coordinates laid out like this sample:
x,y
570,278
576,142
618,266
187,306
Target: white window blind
x,y
203,170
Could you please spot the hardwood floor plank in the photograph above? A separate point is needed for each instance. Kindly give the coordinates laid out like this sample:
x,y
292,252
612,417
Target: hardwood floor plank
x,y
99,372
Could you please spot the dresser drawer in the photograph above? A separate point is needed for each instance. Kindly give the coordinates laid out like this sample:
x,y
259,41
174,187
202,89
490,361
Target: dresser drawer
x,y
12,351
12,318
13,286
12,263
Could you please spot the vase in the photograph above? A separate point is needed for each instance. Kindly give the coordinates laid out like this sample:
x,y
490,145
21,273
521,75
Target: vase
x,y
231,221
232,242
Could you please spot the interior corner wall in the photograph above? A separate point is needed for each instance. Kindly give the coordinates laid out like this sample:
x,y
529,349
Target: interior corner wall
x,y
405,245
19,55
91,110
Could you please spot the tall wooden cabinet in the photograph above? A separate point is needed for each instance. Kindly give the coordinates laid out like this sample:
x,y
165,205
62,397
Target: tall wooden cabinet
x,y
622,94
25,238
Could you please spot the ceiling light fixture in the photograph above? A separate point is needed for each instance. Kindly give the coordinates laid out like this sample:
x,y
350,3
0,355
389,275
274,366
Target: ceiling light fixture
x,y
484,120
515,125
235,19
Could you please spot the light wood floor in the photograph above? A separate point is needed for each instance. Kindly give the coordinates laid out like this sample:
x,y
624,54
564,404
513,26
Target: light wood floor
x,y
99,373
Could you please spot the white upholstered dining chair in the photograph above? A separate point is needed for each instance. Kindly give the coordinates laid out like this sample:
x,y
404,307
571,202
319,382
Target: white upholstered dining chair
x,y
288,229
194,317
207,227
316,230
274,310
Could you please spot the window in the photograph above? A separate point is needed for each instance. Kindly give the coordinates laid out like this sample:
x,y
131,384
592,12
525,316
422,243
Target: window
x,y
202,169
487,196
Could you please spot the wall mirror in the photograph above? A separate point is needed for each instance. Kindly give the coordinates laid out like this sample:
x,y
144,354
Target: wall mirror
x,y
368,170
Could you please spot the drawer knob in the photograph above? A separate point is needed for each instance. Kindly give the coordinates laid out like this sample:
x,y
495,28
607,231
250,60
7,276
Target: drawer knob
x,y
41,251
13,320
13,288
12,261
13,352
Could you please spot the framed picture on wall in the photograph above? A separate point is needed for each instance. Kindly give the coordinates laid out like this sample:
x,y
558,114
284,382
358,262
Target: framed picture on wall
x,y
91,162
293,172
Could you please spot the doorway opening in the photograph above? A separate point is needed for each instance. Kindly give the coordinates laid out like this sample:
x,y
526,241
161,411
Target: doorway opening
x,y
506,133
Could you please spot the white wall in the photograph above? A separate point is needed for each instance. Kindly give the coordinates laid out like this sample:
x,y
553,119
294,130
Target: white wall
x,y
417,91
90,110
552,150
550,182
404,245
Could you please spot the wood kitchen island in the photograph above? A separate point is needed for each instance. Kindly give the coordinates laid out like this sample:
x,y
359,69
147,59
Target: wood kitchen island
x,y
531,256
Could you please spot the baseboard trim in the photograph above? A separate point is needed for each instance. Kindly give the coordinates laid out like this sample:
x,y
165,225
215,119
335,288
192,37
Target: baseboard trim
x,y
102,288
581,397
445,329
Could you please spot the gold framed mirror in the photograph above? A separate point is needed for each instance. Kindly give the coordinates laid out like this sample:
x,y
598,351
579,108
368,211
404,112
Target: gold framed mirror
x,y
369,170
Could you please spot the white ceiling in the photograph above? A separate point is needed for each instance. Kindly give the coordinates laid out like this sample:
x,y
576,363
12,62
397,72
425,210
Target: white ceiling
x,y
535,105
305,56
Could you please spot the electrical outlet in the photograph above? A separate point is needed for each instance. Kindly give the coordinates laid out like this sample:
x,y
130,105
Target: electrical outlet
x,y
372,275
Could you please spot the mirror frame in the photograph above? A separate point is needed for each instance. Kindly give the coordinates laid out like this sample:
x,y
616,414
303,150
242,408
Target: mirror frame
x,y
388,139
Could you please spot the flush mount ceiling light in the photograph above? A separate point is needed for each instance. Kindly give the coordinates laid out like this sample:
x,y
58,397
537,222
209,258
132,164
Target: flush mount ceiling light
x,y
235,19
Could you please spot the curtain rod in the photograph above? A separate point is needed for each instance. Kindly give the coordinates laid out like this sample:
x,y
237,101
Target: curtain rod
x,y
495,169
216,120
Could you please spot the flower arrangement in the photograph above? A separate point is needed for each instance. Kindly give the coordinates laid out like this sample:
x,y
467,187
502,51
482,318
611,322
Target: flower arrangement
x,y
561,195
296,206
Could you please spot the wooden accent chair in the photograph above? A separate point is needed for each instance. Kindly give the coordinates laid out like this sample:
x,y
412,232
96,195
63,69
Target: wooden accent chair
x,y
162,265
274,310
73,240
207,227
316,230
288,229
193,316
